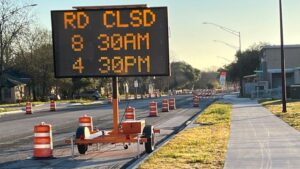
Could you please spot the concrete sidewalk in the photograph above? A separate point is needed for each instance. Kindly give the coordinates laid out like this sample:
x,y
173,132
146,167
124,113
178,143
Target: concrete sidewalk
x,y
260,140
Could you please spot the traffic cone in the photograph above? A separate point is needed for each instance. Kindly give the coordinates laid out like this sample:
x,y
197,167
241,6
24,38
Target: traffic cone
x,y
165,105
52,105
43,145
28,108
130,113
86,121
109,99
172,104
196,101
153,109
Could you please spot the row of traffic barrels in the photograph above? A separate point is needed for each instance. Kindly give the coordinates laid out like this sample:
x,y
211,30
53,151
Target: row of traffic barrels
x,y
29,110
167,105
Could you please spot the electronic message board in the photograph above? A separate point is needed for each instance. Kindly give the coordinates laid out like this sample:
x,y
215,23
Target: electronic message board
x,y
111,42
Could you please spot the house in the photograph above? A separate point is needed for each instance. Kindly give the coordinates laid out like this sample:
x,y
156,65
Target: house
x,y
267,80
14,86
271,65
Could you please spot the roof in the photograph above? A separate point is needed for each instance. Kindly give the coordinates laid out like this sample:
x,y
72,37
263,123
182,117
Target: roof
x,y
278,46
11,78
250,76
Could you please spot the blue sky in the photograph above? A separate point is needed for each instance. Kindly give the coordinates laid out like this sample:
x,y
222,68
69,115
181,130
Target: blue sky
x,y
193,42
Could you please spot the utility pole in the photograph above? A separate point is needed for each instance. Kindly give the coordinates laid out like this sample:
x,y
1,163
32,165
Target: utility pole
x,y
283,75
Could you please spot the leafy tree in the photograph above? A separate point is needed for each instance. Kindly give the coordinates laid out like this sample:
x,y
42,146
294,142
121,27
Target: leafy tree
x,y
246,63
34,58
183,75
14,22
208,80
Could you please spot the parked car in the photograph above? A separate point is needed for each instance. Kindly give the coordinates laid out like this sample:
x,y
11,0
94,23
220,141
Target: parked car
x,y
90,94
54,97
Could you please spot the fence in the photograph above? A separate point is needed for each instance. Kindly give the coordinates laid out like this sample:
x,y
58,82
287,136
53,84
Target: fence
x,y
269,93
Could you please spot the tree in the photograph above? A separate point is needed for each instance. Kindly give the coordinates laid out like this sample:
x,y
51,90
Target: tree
x,y
246,63
183,75
14,19
208,80
34,57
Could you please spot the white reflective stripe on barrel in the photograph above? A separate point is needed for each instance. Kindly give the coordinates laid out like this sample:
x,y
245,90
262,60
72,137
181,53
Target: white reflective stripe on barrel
x,y
42,146
85,124
41,134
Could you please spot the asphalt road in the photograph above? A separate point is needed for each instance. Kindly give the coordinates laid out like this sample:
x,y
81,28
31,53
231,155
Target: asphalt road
x,y
17,134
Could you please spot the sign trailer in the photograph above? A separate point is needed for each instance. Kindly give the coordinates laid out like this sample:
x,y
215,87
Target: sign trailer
x,y
112,42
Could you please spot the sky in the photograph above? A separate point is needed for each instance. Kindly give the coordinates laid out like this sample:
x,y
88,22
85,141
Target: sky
x,y
198,44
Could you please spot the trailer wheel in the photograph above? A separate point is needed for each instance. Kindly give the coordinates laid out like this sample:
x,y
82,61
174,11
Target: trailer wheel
x,y
149,134
80,134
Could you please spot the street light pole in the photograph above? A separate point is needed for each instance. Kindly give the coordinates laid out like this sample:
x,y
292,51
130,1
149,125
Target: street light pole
x,y
231,31
283,75
227,44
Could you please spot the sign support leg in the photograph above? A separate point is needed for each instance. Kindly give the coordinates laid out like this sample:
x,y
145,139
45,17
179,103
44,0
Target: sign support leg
x,y
115,104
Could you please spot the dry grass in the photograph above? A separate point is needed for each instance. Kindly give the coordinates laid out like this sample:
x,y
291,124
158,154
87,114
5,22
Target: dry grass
x,y
200,147
292,116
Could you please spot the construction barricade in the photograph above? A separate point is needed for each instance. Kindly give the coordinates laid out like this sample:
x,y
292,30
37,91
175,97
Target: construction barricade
x,y
196,101
43,144
130,113
172,104
52,105
86,121
165,105
153,109
28,108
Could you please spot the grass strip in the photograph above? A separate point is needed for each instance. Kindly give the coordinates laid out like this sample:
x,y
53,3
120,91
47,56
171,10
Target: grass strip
x,y
292,116
203,146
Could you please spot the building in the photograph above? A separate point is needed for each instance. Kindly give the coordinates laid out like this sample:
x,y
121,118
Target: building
x,y
13,86
271,65
266,82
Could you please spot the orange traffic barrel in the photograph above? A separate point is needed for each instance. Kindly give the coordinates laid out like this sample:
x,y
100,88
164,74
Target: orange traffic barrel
x,y
165,105
43,145
153,109
52,105
86,121
196,101
172,104
28,108
109,99
130,113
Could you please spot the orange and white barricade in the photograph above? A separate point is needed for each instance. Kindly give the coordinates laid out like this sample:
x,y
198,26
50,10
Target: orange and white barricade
x,y
130,113
52,105
172,104
86,121
43,144
28,108
196,101
165,105
153,109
